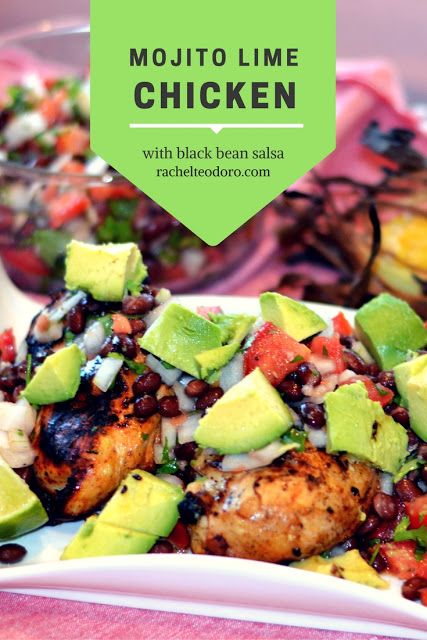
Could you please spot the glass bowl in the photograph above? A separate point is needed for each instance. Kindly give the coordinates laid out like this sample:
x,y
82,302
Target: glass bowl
x,y
33,239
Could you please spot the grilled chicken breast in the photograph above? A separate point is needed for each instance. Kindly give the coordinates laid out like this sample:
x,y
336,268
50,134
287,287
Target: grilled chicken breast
x,y
301,505
87,445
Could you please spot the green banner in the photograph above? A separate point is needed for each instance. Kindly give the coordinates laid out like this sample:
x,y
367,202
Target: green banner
x,y
213,109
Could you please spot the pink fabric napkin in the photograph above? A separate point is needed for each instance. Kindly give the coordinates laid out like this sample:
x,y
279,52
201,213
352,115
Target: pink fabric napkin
x,y
32,618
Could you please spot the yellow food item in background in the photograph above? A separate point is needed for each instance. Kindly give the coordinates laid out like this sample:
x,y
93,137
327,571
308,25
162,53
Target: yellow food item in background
x,y
405,237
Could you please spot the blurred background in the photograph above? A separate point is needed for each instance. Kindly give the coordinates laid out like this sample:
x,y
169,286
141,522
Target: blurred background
x,y
395,29
373,188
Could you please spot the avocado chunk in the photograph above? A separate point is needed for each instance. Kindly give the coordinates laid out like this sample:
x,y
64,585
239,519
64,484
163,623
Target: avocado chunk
x,y
57,379
143,503
234,328
20,509
349,566
358,426
293,317
389,328
96,538
179,335
103,270
417,403
249,416
404,372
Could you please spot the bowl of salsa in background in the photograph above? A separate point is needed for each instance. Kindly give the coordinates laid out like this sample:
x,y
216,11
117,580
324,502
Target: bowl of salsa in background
x,y
53,187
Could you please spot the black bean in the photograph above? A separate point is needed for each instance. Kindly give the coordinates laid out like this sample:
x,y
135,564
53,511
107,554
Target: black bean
x,y
138,326
157,227
196,388
350,543
137,305
407,490
169,406
8,381
26,473
209,398
423,473
191,508
400,415
413,441
372,370
163,546
112,344
379,563
186,451
370,524
127,346
411,588
313,415
147,383
422,451
187,474
354,362
386,378
290,390
12,553
307,374
385,506
145,407
347,341
76,320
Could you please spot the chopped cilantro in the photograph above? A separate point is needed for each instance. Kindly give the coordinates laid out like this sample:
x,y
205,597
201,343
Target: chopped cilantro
x,y
325,352
374,553
19,99
69,337
117,226
144,436
107,323
166,365
50,245
297,359
410,465
382,392
28,369
137,367
402,532
169,465
295,436
134,287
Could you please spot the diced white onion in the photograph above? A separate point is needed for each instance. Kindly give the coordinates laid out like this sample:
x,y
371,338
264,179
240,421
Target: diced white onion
x,y
185,403
169,376
259,458
51,334
96,166
168,433
152,316
323,365
18,440
94,339
61,311
232,373
317,394
22,352
186,429
171,479
318,438
163,295
23,127
18,459
192,260
4,440
19,415
59,162
386,483
107,373
345,376
35,86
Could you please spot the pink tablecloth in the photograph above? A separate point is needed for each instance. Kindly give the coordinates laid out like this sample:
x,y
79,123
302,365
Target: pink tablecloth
x,y
30,618
365,91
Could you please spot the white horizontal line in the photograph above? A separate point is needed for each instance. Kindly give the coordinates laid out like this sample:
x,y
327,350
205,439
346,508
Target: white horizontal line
x,y
216,128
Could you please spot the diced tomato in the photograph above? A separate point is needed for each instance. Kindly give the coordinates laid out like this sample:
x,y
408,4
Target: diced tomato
x,y
51,106
74,140
275,353
401,558
376,392
74,166
7,346
329,348
417,512
66,207
206,311
25,260
342,325
179,536
113,192
121,324
423,596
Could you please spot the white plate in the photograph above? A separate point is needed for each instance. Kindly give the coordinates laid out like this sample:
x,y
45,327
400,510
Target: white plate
x,y
215,586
